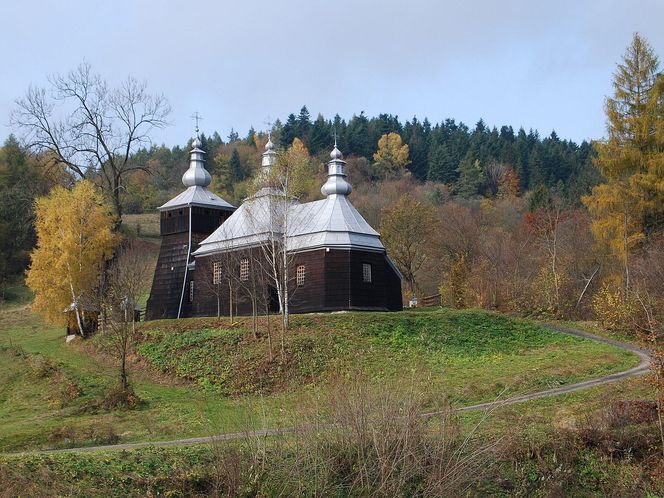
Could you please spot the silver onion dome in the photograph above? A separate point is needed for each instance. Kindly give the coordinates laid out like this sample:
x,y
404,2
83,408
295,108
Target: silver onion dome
x,y
336,183
196,175
269,156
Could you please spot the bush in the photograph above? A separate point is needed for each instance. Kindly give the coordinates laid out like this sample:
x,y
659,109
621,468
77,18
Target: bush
x,y
43,368
612,451
119,397
611,309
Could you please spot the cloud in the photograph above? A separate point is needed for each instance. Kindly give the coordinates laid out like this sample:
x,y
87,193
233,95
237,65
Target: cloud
x,y
545,65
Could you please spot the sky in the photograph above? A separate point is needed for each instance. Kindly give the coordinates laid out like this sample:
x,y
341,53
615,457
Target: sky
x,y
525,63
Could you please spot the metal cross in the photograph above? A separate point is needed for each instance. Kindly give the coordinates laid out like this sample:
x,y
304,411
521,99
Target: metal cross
x,y
268,123
198,118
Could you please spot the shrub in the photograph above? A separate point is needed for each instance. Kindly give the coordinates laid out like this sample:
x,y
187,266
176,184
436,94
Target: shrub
x,y
67,392
42,367
611,309
119,397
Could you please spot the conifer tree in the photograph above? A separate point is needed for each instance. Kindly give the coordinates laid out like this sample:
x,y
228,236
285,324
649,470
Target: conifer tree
x,y
631,159
358,136
441,165
304,125
288,132
235,167
471,177
321,135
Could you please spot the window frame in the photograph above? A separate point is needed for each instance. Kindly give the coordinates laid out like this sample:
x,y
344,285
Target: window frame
x,y
367,273
300,275
244,269
216,272
191,291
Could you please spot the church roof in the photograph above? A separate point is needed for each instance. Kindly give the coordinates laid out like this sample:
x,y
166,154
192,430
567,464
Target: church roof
x,y
196,179
196,196
330,222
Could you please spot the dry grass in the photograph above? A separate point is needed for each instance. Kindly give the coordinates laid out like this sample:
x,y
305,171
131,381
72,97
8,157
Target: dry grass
x,y
379,445
145,225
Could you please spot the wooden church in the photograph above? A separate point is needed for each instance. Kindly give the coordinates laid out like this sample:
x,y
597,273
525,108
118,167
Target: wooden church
x,y
336,259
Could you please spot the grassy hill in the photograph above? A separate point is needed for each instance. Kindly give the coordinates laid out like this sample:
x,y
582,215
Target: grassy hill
x,y
468,355
200,377
203,376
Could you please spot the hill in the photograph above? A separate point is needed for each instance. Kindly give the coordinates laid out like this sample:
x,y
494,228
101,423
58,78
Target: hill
x,y
469,355
201,376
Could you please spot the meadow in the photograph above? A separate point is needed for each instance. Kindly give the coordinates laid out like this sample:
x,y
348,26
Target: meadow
x,y
200,377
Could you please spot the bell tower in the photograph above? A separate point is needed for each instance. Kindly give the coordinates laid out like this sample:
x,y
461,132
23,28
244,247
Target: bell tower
x,y
185,221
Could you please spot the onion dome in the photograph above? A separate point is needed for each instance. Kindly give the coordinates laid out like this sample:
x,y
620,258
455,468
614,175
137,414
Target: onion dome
x,y
196,175
269,156
336,183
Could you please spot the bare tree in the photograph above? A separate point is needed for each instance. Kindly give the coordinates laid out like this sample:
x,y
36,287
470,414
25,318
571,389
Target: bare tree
x,y
545,223
225,279
128,278
90,128
494,172
272,215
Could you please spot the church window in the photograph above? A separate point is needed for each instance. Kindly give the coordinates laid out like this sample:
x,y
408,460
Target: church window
x,y
191,291
301,271
244,269
216,273
366,273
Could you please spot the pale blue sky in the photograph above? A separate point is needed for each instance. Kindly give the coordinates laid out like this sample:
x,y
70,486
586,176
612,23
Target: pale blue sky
x,y
545,65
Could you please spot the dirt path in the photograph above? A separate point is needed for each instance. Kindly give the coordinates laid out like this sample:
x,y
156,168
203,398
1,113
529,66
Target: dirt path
x,y
640,369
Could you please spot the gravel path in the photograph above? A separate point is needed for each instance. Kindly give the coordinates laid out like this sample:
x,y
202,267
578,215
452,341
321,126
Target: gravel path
x,y
640,369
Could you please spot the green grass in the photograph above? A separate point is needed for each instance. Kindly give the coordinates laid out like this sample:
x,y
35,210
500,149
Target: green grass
x,y
471,356
190,471
199,377
168,410
14,295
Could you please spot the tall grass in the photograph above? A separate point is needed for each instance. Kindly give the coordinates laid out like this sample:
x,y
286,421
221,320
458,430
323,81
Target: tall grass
x,y
378,445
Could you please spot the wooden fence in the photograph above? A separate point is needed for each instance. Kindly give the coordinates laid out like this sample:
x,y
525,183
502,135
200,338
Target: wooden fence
x,y
427,301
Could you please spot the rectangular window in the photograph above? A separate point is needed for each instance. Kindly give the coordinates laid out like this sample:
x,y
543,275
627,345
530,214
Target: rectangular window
x,y
366,273
191,291
244,270
301,271
216,272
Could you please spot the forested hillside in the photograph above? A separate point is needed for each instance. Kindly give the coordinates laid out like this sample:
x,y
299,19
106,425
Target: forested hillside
x,y
469,162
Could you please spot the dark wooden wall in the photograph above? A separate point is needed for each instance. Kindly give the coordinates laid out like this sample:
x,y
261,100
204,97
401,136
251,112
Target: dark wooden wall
x,y
168,276
203,220
166,290
333,281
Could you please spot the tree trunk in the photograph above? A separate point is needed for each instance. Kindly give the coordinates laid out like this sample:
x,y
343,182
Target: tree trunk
x,y
254,315
269,333
230,300
76,310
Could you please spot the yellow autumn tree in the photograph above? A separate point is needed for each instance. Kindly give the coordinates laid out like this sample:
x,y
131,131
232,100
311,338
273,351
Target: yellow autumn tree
x,y
406,229
74,238
293,173
631,202
391,158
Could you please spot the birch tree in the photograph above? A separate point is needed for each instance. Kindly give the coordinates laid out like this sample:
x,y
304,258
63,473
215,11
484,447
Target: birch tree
x,y
74,238
272,216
